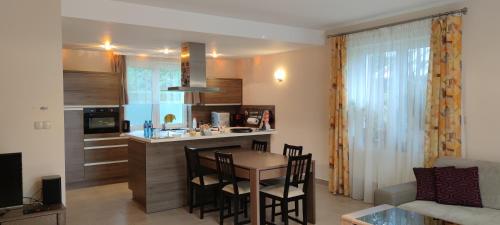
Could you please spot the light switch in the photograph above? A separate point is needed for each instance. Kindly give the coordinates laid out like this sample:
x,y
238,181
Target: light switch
x,y
46,125
38,125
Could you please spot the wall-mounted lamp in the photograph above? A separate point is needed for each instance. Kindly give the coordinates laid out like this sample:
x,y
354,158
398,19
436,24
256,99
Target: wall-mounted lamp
x,y
279,74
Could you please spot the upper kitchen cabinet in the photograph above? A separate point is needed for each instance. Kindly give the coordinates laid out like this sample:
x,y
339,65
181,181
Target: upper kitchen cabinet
x,y
91,88
231,92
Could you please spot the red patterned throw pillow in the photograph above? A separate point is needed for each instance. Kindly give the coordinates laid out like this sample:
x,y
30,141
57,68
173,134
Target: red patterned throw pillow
x,y
458,186
426,184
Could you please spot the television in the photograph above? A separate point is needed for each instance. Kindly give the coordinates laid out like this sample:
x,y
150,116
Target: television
x,y
11,180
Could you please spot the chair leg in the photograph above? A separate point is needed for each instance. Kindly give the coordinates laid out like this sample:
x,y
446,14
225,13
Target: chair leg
x,y
273,210
245,207
221,209
201,201
215,199
236,209
284,211
262,203
297,208
190,198
304,211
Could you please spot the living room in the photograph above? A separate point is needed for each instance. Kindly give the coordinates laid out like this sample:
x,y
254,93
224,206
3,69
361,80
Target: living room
x,y
364,156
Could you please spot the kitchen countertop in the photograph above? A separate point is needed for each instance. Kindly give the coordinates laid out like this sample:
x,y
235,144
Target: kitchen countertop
x,y
139,136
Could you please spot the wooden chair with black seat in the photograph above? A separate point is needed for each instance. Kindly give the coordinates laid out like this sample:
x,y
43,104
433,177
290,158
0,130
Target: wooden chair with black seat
x,y
237,191
200,182
295,188
288,150
259,146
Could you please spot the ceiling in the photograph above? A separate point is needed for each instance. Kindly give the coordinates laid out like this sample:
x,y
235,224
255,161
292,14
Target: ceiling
x,y
313,14
134,39
234,28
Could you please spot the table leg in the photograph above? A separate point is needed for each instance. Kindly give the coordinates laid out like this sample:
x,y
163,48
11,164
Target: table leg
x,y
254,196
311,198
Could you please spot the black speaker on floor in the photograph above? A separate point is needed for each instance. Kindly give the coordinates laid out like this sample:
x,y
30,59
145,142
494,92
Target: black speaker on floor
x,y
51,190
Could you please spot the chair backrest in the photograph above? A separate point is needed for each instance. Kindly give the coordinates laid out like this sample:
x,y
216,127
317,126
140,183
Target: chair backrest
x,y
292,150
194,168
192,164
259,145
225,170
297,172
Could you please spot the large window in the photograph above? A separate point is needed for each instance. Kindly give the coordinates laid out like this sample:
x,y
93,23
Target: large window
x,y
386,88
147,78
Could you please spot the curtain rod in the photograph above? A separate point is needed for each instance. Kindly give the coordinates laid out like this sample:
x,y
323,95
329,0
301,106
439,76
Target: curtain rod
x,y
462,11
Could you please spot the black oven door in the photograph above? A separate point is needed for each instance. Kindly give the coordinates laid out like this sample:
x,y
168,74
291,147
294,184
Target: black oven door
x,y
96,122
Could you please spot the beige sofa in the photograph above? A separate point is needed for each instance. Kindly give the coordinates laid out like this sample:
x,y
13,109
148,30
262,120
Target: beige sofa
x,y
403,196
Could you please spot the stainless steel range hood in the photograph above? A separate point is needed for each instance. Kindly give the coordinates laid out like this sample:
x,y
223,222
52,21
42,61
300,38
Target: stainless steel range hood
x,y
193,69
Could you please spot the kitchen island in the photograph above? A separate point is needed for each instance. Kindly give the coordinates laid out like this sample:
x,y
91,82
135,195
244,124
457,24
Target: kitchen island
x,y
157,167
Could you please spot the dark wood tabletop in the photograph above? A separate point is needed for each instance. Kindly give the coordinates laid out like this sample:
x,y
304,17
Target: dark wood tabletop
x,y
251,159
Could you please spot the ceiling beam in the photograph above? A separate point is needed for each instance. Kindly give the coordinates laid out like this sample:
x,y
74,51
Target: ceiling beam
x,y
142,15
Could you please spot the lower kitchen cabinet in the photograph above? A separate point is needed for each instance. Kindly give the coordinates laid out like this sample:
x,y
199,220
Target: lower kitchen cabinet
x,y
92,159
73,144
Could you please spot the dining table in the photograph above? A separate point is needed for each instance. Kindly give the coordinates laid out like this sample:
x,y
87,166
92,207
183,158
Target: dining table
x,y
257,166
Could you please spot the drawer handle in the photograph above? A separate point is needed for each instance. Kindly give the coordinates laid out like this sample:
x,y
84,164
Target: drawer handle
x,y
107,146
105,139
105,163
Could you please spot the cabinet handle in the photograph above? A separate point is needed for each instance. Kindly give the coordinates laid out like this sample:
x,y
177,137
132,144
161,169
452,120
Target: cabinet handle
x,y
102,147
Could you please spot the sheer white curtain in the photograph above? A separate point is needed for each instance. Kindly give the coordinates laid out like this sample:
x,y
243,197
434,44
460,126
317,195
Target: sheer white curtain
x,y
386,89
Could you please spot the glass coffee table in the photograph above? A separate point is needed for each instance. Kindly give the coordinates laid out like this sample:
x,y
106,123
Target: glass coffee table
x,y
389,215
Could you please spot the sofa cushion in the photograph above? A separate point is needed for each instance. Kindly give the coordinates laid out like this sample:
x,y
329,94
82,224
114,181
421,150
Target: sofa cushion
x,y
489,179
458,186
456,214
426,184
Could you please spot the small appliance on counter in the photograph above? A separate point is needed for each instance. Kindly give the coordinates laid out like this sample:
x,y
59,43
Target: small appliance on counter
x,y
126,126
220,119
237,120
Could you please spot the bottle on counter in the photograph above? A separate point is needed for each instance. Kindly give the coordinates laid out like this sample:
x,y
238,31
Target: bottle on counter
x,y
146,129
150,129
195,123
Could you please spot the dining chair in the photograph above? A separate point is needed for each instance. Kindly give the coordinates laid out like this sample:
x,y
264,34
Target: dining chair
x,y
288,150
295,188
259,145
200,183
236,191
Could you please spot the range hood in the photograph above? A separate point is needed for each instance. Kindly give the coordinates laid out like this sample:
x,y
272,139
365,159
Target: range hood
x,y
193,69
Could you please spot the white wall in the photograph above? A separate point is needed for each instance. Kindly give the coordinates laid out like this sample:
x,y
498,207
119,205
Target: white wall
x,y
31,77
481,79
301,99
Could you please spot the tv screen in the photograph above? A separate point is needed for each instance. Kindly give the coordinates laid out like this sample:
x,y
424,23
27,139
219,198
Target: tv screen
x,y
11,180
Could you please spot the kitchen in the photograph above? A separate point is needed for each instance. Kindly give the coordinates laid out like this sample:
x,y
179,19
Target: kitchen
x,y
98,132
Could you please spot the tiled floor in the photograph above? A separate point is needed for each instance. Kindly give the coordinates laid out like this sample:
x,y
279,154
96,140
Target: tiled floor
x,y
112,204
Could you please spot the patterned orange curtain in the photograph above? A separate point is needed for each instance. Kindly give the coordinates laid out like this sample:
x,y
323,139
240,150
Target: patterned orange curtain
x,y
443,111
339,148
118,65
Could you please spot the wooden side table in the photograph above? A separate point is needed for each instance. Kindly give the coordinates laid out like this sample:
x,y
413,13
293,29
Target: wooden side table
x,y
46,215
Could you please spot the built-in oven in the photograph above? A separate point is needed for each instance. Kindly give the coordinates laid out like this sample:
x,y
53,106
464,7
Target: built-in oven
x,y
101,120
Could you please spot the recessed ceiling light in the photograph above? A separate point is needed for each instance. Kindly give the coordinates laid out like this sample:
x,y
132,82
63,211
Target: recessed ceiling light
x,y
107,45
166,51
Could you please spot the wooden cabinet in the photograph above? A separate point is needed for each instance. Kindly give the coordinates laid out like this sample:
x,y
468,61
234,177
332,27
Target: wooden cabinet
x,y
73,144
56,215
106,159
91,88
231,92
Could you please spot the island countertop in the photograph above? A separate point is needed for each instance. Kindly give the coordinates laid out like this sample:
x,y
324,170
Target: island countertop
x,y
139,136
